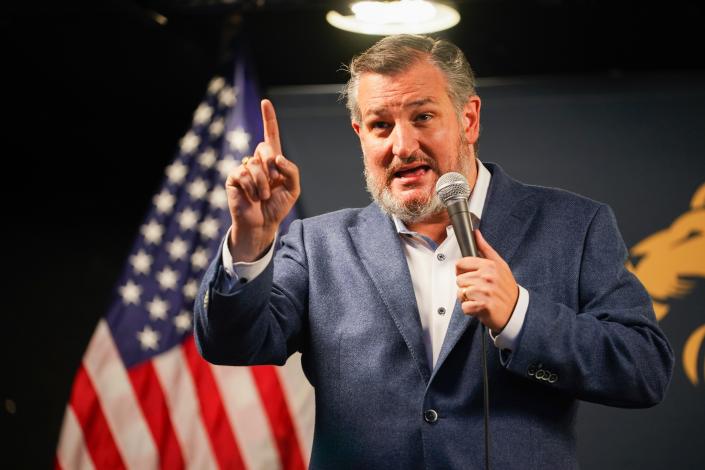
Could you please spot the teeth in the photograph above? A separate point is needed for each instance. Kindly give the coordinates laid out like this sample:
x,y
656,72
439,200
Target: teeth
x,y
409,171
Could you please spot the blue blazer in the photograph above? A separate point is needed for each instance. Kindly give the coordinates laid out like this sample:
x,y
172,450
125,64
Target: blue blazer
x,y
339,291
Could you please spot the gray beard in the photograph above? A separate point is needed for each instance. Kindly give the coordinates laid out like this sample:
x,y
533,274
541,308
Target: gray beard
x,y
410,212
414,211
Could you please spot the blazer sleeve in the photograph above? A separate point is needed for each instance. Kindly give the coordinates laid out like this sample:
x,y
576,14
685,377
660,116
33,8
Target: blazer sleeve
x,y
261,322
611,349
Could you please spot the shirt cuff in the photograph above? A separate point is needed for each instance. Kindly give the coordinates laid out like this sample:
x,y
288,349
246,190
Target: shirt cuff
x,y
509,336
242,271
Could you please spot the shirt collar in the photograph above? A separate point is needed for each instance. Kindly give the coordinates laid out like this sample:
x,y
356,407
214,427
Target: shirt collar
x,y
476,202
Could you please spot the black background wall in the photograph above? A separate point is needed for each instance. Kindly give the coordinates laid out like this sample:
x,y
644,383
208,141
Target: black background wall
x,y
97,94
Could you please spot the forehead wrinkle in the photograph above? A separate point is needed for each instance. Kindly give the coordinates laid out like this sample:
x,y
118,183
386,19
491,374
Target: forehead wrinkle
x,y
411,104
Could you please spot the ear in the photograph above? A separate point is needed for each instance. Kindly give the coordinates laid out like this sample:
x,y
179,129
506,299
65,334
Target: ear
x,y
471,119
698,200
356,127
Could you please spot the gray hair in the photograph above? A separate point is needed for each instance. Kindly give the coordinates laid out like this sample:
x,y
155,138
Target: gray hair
x,y
395,54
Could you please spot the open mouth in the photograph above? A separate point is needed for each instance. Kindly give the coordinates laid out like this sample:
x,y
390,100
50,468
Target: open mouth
x,y
411,172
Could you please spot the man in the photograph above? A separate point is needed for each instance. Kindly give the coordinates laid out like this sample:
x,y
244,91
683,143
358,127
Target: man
x,y
385,310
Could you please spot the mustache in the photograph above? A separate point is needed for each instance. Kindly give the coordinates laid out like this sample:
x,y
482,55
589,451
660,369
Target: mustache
x,y
398,163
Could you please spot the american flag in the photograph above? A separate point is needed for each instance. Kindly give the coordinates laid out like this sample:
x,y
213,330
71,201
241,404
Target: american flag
x,y
142,397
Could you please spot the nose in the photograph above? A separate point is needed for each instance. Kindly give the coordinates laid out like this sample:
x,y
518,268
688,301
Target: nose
x,y
404,140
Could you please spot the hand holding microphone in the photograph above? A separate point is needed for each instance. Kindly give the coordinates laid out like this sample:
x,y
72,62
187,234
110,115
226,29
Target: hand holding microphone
x,y
486,286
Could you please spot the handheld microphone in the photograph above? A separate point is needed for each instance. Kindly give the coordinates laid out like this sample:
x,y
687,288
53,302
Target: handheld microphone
x,y
453,190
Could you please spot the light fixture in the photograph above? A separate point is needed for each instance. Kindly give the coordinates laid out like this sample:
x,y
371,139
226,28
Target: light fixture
x,y
395,17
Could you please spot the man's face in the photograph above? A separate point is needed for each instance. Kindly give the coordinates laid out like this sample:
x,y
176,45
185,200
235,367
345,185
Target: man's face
x,y
411,134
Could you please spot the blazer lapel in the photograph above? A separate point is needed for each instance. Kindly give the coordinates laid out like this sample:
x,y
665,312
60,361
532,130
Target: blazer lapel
x,y
505,218
507,213
379,249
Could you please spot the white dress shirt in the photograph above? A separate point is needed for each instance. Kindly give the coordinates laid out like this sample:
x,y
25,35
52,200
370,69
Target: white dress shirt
x,y
432,268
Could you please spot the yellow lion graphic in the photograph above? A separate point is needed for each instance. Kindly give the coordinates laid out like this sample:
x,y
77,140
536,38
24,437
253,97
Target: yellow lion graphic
x,y
667,262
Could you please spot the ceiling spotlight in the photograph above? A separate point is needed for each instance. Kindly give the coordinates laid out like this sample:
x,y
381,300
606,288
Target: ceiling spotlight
x,y
395,17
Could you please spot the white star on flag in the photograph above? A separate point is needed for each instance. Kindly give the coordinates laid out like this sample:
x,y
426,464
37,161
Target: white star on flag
x,y
218,198
182,321
215,85
141,262
176,172
216,128
190,142
167,278
239,139
130,293
226,165
199,259
158,308
164,202
207,158
148,338
197,189
209,228
203,114
177,249
227,96
190,289
187,219
152,232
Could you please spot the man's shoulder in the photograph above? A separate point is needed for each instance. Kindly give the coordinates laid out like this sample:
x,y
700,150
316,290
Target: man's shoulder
x,y
545,197
338,217
562,196
343,218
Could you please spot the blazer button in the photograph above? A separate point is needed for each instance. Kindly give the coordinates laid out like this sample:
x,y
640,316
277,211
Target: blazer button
x,y
430,416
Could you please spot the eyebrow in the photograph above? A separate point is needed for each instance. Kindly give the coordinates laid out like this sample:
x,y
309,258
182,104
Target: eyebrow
x,y
411,104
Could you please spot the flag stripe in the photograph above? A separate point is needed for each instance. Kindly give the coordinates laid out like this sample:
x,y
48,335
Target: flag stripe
x,y
242,403
122,411
89,413
299,395
71,451
151,399
182,401
221,435
277,410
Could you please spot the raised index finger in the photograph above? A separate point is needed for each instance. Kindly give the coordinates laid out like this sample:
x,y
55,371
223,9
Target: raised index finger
x,y
271,128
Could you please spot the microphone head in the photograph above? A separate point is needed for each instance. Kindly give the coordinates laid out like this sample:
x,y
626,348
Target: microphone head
x,y
451,186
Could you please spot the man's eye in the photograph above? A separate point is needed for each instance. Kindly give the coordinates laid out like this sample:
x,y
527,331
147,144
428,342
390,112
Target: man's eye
x,y
424,117
380,125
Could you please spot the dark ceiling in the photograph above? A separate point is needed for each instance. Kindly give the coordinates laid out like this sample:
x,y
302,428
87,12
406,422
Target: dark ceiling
x,y
294,45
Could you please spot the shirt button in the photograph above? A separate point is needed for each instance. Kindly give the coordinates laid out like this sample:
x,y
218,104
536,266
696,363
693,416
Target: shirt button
x,y
441,311
430,416
441,257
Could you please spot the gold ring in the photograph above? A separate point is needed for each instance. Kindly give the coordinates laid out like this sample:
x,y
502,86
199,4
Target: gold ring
x,y
465,294
245,160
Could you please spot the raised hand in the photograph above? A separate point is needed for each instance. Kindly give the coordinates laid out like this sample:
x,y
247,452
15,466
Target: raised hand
x,y
261,192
